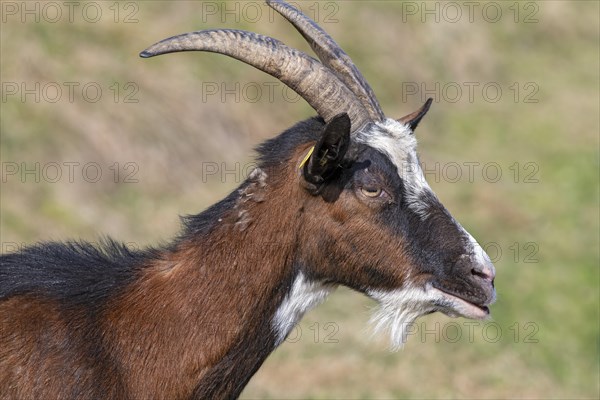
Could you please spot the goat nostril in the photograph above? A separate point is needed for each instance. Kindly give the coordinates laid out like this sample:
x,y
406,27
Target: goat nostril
x,y
483,274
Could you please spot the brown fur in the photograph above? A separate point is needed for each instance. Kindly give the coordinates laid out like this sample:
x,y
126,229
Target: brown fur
x,y
40,343
182,316
164,337
178,321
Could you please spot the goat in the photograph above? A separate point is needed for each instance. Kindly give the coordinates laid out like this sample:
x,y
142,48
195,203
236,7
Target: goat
x,y
338,199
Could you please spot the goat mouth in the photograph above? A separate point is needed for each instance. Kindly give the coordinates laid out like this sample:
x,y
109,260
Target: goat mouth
x,y
455,305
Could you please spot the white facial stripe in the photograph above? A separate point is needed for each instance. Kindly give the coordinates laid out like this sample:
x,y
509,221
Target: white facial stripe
x,y
479,255
398,143
303,296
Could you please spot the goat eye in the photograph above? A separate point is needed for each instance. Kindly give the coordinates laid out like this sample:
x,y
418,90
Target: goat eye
x,y
371,192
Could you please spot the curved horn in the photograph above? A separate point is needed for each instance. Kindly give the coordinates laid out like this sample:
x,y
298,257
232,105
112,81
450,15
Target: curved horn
x,y
302,73
331,55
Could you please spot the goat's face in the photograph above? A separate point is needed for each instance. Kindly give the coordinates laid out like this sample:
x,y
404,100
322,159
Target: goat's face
x,y
384,231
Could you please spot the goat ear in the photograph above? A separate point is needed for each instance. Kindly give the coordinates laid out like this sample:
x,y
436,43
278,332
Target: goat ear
x,y
329,151
413,119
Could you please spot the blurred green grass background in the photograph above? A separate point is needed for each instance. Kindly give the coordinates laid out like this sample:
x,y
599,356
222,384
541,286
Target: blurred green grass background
x,y
542,226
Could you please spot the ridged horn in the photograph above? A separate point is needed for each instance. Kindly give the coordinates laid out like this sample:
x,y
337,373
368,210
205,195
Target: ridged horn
x,y
332,55
320,87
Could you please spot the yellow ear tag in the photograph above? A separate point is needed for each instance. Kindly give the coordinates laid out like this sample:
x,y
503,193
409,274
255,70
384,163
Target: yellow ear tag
x,y
306,157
